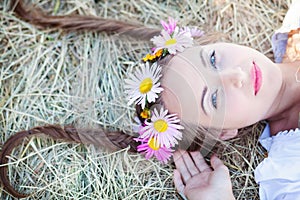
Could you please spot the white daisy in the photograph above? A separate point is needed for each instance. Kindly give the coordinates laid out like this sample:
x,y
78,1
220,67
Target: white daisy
x,y
143,85
163,128
177,42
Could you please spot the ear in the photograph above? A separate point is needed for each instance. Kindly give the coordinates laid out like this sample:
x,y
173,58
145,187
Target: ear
x,y
228,134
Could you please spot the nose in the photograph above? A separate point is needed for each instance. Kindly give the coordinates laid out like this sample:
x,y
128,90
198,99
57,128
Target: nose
x,y
234,76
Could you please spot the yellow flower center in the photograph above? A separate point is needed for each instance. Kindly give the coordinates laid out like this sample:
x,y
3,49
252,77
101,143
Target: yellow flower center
x,y
146,85
153,144
170,42
160,125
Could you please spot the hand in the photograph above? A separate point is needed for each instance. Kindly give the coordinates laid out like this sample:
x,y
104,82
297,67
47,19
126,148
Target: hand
x,y
196,180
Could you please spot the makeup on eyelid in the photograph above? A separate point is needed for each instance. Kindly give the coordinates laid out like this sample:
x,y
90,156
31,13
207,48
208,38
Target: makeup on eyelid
x,y
204,94
208,101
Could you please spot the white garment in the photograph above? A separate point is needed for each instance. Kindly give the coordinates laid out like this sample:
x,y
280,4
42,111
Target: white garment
x,y
292,18
278,175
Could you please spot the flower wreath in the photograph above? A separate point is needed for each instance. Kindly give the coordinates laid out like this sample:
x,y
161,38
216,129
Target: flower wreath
x,y
160,131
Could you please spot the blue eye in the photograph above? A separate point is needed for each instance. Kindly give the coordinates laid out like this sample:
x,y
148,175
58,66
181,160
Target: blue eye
x,y
213,59
214,97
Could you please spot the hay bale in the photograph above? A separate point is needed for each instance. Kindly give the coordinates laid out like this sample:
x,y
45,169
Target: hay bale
x,y
52,77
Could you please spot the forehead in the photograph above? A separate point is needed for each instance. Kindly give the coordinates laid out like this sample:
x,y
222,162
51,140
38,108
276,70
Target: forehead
x,y
194,57
184,80
190,64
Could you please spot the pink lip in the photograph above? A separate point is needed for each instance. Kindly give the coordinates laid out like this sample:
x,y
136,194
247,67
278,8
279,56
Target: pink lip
x,y
256,77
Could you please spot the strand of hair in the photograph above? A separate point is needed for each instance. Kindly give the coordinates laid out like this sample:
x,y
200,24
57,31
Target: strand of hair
x,y
37,17
112,141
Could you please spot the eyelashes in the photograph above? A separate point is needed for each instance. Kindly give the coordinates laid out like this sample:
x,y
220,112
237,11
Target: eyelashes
x,y
212,59
214,98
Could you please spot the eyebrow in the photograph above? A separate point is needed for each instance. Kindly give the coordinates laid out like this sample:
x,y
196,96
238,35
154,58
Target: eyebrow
x,y
202,99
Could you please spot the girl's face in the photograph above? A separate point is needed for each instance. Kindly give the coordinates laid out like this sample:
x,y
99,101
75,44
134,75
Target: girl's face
x,y
222,85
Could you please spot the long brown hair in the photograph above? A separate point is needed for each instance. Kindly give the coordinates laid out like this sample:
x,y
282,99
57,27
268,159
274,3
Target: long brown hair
x,y
98,137
37,17
112,141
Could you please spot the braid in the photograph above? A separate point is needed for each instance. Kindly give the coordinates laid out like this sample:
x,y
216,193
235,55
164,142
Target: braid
x,y
81,23
98,137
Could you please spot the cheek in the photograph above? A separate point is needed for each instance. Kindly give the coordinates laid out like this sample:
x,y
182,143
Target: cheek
x,y
238,111
234,105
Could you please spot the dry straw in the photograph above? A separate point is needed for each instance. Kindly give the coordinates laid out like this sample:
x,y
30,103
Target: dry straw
x,y
52,77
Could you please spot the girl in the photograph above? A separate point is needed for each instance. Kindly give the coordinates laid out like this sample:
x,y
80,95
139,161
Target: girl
x,y
278,175
218,90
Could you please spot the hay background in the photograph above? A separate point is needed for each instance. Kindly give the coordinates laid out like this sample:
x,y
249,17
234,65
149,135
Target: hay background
x,y
52,77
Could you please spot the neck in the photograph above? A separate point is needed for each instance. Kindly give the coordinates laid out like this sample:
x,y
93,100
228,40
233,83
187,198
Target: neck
x,y
287,105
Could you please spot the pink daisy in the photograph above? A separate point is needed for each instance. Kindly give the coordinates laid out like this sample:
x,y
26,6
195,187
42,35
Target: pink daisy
x,y
195,32
163,128
169,27
150,148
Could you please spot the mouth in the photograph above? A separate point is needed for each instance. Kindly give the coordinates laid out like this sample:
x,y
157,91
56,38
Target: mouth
x,y
256,77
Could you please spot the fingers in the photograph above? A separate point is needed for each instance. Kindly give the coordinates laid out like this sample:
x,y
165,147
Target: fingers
x,y
216,162
178,181
179,184
221,172
200,162
181,166
189,165
219,167
192,168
